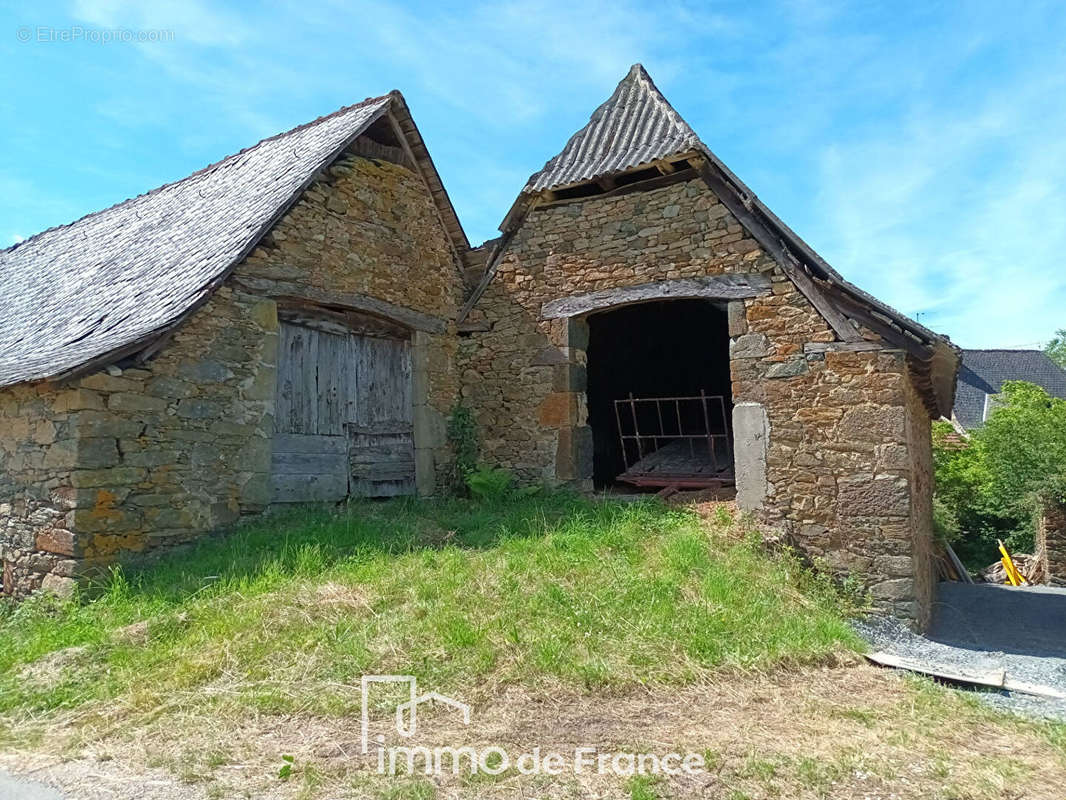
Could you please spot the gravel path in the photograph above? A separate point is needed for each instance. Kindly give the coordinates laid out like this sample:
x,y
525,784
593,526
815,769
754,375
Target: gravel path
x,y
31,777
15,788
982,628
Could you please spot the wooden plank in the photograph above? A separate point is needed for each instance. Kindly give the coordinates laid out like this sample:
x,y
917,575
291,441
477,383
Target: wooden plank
x,y
381,464
307,374
293,413
339,321
309,463
309,488
995,678
332,376
283,290
718,287
957,565
880,324
374,473
383,373
300,443
309,468
367,147
843,347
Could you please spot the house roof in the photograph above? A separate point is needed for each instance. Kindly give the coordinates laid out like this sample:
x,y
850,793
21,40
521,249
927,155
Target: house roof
x,y
984,371
111,283
637,126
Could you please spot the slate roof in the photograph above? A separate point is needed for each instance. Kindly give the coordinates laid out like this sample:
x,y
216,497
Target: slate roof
x,y
107,284
636,126
984,371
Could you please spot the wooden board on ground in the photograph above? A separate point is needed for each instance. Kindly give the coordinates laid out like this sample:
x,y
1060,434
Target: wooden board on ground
x,y
680,464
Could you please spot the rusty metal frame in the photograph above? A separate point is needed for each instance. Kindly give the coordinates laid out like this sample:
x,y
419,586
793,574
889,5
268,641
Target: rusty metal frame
x,y
714,441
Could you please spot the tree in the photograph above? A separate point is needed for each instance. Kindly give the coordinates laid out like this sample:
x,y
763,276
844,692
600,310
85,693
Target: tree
x,y
992,488
1023,443
1056,348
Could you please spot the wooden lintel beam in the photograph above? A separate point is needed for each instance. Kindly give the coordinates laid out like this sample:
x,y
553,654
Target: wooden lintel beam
x,y
346,300
718,287
657,182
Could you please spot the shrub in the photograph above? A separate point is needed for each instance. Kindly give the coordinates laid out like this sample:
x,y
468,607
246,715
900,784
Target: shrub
x,y
993,487
490,484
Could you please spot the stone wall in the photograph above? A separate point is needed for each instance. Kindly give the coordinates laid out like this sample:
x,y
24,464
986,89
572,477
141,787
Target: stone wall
x,y
181,445
38,449
838,471
125,460
920,461
842,478
1051,543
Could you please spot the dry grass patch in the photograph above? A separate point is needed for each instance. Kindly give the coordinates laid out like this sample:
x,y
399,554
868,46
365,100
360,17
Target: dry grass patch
x,y
846,732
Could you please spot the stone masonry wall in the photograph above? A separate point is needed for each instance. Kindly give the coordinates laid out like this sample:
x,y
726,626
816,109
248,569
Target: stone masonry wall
x,y
38,449
181,445
843,481
839,467
920,452
123,461
1051,542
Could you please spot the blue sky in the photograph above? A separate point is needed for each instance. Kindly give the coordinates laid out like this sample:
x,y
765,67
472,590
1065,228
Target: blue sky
x,y
918,146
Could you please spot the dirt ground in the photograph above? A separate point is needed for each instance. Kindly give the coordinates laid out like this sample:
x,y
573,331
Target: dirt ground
x,y
852,731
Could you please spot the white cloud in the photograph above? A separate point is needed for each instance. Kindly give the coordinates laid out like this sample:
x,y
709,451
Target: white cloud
x,y
14,238
957,215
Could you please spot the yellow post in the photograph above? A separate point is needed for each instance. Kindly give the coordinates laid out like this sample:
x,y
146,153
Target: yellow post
x,y
1013,576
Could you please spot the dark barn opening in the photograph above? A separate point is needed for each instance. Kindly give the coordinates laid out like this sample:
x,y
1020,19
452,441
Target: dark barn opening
x,y
668,364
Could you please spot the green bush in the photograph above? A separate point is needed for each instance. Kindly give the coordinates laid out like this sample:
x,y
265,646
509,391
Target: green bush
x,y
994,486
490,484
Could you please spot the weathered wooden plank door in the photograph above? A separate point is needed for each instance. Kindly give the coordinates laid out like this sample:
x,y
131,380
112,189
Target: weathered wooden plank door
x,y
343,416
381,437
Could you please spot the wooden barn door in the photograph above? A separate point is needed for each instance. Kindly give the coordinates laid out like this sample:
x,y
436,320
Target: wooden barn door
x,y
343,418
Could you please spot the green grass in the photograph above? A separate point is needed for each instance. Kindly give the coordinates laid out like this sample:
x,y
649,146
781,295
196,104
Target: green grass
x,y
286,613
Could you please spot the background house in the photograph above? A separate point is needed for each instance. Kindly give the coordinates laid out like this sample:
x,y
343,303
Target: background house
x,y
983,372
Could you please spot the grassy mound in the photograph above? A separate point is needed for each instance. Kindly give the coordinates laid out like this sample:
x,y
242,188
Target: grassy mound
x,y
286,613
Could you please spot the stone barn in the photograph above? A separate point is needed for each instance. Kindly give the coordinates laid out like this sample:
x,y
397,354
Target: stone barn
x,y
645,319
276,327
295,322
